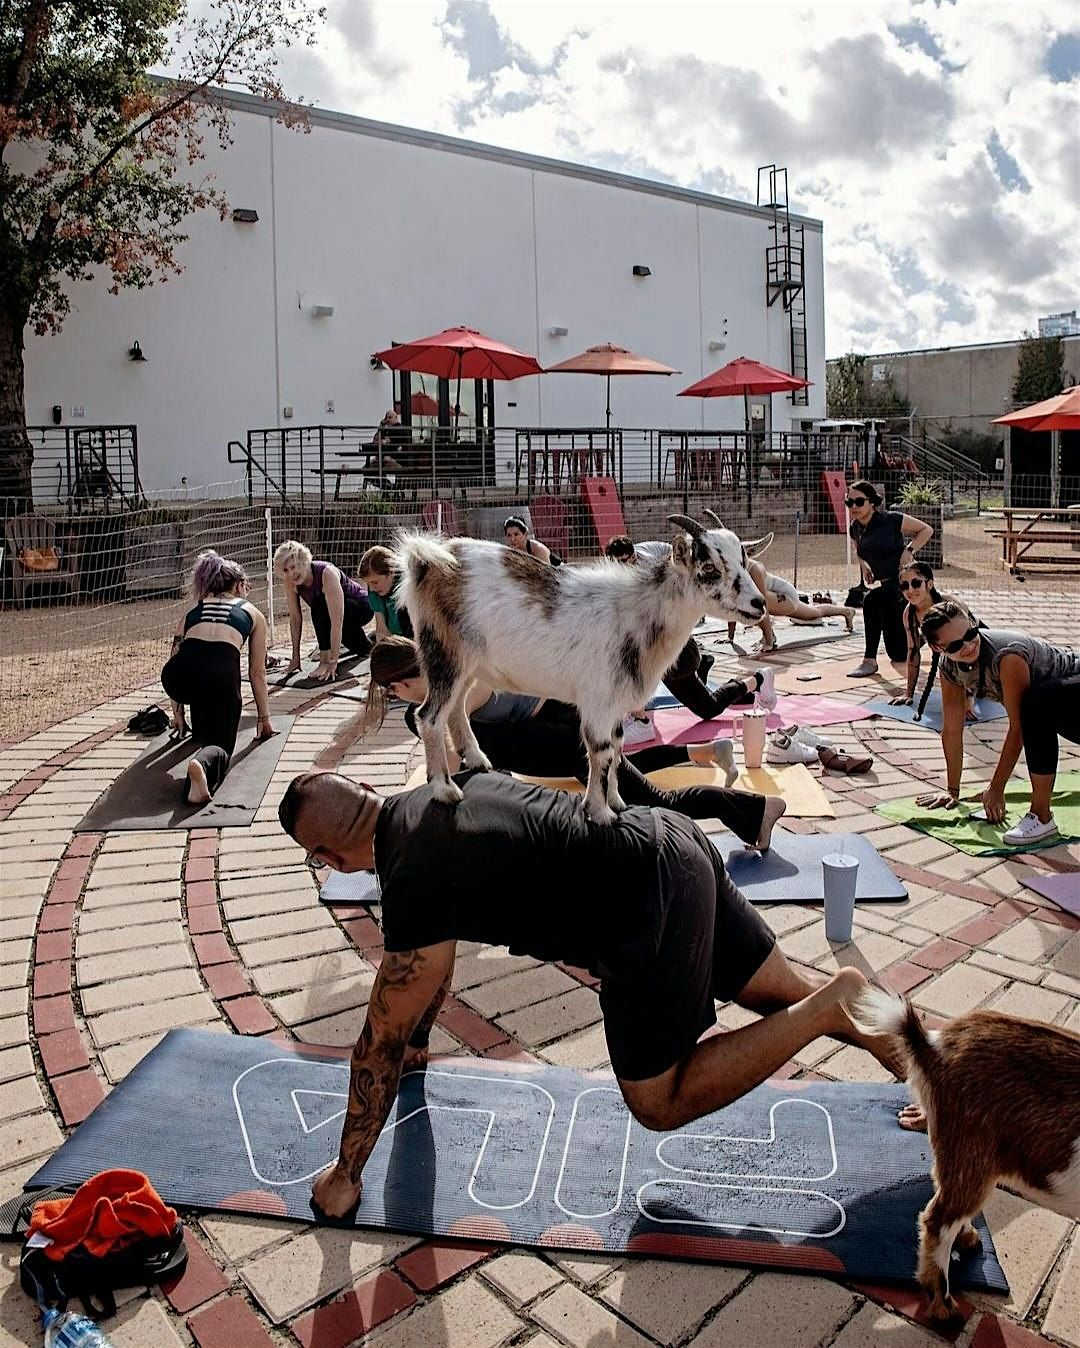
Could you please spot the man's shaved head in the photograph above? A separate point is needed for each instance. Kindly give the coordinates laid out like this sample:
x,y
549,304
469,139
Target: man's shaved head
x,y
331,816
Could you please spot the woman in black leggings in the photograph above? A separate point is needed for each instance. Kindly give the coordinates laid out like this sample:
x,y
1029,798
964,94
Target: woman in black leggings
x,y
542,738
885,540
203,671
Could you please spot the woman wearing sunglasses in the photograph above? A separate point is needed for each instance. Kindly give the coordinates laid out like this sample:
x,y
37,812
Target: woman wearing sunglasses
x,y
1039,686
921,594
885,541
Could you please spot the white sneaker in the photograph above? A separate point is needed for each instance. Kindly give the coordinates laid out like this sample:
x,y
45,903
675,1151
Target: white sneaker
x,y
766,694
1030,829
783,749
804,735
638,732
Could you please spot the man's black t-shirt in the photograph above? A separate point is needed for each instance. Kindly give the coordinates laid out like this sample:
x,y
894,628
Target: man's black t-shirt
x,y
521,866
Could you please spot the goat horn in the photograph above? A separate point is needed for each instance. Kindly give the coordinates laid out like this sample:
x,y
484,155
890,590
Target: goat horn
x,y
692,527
711,514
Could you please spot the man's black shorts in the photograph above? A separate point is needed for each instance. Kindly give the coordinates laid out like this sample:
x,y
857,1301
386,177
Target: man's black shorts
x,y
712,943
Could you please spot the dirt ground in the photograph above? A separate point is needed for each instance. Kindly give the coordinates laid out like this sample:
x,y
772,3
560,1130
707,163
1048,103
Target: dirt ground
x,y
56,660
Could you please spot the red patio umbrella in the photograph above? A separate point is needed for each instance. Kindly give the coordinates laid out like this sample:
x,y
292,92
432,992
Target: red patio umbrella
x,y
1060,413
608,359
460,353
744,376
423,405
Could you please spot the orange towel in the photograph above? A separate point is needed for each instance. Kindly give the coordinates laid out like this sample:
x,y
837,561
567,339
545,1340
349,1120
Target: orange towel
x,y
107,1212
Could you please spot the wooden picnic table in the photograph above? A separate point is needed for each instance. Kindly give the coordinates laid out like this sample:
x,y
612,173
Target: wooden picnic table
x,y
1022,532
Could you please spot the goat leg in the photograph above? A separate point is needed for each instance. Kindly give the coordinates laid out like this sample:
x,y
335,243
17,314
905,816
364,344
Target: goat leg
x,y
940,1223
462,737
601,759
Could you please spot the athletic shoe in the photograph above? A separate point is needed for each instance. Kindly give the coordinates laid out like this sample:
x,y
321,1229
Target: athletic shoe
x,y
637,732
804,735
766,694
783,749
1030,829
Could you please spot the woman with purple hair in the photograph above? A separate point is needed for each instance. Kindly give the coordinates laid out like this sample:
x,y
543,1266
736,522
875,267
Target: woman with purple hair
x,y
203,671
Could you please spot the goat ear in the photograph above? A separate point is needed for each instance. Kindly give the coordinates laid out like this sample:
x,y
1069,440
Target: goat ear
x,y
754,547
685,522
682,552
712,515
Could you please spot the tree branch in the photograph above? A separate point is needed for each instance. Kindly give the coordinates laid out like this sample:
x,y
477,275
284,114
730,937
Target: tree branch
x,y
33,31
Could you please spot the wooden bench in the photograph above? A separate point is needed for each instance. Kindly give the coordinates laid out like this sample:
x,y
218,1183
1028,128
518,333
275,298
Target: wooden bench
x,y
1017,542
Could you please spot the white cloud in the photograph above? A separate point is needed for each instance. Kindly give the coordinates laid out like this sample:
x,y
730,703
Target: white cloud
x,y
882,110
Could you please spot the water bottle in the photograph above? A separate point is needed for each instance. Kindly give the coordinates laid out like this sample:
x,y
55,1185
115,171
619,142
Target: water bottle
x,y
68,1329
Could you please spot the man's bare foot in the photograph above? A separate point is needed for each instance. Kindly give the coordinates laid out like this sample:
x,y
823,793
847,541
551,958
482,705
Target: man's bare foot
x,y
198,787
775,809
849,984
913,1118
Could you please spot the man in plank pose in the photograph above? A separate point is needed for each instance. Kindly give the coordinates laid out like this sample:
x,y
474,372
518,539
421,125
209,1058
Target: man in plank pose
x,y
644,903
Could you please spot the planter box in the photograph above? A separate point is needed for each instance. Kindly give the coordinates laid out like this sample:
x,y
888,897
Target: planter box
x,y
932,515
154,559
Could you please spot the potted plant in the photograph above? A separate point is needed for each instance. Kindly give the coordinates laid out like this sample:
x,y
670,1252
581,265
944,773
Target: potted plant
x,y
922,501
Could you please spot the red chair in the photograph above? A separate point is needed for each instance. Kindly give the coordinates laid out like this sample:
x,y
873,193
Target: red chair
x,y
431,516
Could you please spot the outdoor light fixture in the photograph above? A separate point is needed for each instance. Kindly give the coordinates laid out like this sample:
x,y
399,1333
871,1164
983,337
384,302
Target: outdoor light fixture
x,y
244,215
136,353
639,270
558,332
717,344
375,362
322,311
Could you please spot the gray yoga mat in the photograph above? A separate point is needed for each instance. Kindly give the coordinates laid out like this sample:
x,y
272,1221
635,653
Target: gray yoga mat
x,y
349,668
796,1175
790,636
790,871
931,720
149,794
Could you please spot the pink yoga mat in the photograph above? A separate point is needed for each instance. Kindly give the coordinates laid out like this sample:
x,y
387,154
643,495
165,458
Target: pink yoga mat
x,y
1064,890
679,725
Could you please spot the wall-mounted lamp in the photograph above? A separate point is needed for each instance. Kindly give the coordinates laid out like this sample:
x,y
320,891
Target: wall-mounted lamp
x,y
135,353
57,414
245,215
717,344
639,270
322,311
558,332
375,362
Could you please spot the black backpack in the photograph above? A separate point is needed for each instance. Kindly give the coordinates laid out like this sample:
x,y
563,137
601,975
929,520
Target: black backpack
x,y
150,721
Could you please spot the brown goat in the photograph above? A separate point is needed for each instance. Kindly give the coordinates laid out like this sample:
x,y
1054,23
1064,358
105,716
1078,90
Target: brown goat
x,y
1002,1102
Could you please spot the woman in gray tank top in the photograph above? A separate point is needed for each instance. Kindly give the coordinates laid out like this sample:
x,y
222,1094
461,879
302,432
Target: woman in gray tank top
x,y
1039,686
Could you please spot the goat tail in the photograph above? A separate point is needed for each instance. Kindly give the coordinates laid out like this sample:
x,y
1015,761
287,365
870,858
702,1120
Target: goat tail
x,y
879,1012
418,555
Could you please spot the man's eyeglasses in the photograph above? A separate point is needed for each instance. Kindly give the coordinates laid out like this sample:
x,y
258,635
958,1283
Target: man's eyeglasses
x,y
854,502
911,584
958,645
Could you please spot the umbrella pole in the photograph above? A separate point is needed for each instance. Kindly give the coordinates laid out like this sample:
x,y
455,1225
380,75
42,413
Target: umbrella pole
x,y
749,458
608,456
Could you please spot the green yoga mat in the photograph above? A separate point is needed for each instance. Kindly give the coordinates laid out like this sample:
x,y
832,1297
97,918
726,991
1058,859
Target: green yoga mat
x,y
980,839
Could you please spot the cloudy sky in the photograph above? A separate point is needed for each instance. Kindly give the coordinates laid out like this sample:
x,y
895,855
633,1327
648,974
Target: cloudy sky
x,y
938,140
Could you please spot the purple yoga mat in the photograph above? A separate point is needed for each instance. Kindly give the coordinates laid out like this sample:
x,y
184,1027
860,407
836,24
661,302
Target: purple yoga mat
x,y
1064,889
679,725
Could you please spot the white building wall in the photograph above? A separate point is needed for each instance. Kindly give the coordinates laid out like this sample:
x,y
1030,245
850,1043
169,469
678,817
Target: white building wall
x,y
403,239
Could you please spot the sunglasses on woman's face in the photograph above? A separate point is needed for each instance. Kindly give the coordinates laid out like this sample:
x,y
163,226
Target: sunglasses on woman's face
x,y
911,584
854,502
954,647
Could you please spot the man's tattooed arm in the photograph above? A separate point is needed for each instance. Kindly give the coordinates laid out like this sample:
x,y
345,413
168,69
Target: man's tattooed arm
x,y
420,1036
406,986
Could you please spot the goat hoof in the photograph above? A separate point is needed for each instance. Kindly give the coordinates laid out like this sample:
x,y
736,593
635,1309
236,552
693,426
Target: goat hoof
x,y
967,1238
447,792
945,1313
601,814
481,763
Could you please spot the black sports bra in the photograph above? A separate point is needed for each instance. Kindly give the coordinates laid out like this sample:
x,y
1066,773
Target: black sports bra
x,y
227,612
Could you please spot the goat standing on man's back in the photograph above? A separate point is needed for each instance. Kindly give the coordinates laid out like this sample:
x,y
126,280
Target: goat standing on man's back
x,y
599,636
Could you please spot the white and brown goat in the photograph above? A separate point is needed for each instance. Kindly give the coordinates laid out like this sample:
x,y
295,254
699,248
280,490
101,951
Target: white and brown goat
x,y
1001,1097
599,636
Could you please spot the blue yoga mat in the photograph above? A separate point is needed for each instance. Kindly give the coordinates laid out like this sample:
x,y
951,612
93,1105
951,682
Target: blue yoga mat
x,y
988,711
810,1176
790,871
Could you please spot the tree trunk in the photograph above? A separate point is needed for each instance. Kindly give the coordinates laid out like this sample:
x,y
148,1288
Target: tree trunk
x,y
16,454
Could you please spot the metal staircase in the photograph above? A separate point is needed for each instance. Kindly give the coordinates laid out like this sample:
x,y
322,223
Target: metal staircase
x,y
784,269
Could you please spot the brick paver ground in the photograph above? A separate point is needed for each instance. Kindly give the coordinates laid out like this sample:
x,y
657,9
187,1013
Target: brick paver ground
x,y
106,942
